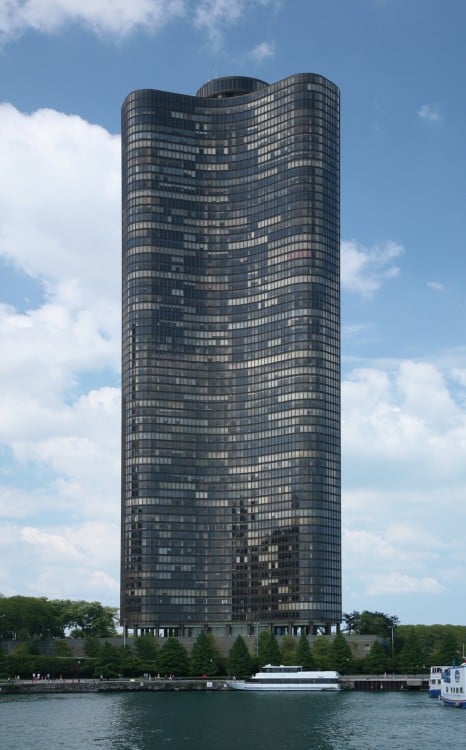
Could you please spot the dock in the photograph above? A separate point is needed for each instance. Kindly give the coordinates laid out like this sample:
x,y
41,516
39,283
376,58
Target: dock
x,y
373,683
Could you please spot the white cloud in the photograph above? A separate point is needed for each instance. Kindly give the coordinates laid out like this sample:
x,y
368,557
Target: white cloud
x,y
437,286
430,113
9,536
99,580
407,415
404,480
64,561
263,51
100,16
399,583
458,375
93,543
359,333
121,17
60,169
59,219
52,546
214,16
59,223
365,270
58,582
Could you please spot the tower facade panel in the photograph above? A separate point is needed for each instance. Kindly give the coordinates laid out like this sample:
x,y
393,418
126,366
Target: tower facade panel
x,y
231,355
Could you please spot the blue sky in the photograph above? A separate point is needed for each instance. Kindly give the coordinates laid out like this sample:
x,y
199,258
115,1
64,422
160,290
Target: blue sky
x,y
65,68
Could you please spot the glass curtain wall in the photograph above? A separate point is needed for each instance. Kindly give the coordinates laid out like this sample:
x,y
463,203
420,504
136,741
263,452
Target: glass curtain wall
x,y
231,369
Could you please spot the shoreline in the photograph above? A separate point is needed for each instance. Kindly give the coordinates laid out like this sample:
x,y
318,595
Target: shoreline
x,y
382,683
21,687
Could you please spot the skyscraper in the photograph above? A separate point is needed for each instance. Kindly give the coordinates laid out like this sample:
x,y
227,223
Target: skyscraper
x,y
231,357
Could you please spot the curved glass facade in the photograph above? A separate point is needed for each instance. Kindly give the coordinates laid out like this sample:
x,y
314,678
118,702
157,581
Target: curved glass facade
x,y
231,355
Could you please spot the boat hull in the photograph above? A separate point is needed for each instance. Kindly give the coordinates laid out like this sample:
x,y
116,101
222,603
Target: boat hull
x,y
453,703
293,688
453,686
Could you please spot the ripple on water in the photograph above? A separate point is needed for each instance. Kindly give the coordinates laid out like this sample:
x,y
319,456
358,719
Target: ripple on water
x,y
229,721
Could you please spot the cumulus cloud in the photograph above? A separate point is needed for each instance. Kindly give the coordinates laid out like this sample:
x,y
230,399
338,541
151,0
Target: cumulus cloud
x,y
59,167
459,375
404,470
53,546
364,270
59,395
430,113
100,16
60,582
59,219
405,414
63,561
121,18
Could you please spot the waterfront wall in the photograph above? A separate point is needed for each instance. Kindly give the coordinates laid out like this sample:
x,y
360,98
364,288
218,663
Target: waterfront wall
x,y
372,683
360,644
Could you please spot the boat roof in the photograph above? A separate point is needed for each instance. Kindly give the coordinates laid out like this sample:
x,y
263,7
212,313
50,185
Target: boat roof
x,y
271,669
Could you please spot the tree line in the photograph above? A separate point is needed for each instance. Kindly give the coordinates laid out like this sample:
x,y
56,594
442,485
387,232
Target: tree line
x,y
26,617
169,657
397,648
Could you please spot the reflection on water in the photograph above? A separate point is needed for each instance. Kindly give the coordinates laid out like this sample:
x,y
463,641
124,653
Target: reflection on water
x,y
229,721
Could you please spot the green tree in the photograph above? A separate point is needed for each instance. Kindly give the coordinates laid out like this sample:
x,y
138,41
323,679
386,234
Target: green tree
x,y
62,648
239,659
23,617
436,641
288,648
146,647
447,648
304,655
109,661
269,650
351,621
375,623
341,655
114,661
205,658
88,618
20,664
322,653
173,658
130,664
376,661
91,646
411,658
29,647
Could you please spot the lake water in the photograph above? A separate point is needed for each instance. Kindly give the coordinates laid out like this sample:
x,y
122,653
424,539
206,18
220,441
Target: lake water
x,y
230,721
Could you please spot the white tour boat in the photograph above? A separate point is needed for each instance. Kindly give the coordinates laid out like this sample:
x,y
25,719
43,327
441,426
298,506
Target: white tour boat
x,y
435,679
453,686
274,678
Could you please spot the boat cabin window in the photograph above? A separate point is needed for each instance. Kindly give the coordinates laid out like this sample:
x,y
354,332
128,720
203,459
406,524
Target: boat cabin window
x,y
281,668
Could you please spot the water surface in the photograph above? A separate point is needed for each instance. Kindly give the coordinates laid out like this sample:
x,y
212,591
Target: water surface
x,y
230,721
